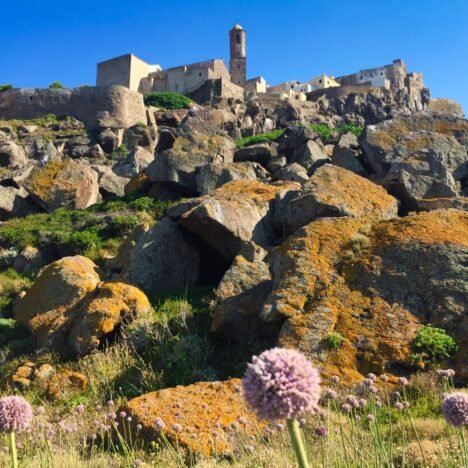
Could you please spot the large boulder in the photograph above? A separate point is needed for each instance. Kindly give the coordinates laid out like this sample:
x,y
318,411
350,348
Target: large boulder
x,y
12,156
445,106
198,417
233,217
14,203
260,153
163,259
346,154
63,183
374,282
333,191
239,298
45,309
102,312
212,176
177,166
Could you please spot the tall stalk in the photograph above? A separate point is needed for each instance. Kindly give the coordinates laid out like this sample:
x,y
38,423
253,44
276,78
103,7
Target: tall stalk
x,y
298,443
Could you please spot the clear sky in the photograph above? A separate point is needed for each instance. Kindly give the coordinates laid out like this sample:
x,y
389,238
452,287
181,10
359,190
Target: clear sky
x,y
43,41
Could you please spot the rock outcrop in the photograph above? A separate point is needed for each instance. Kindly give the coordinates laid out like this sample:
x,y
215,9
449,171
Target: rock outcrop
x,y
201,417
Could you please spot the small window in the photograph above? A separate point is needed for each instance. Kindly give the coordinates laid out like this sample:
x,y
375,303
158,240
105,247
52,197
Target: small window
x,y
320,80
200,74
238,39
381,73
361,78
292,86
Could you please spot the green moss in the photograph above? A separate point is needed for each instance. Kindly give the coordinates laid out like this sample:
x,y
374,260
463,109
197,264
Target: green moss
x,y
5,87
260,138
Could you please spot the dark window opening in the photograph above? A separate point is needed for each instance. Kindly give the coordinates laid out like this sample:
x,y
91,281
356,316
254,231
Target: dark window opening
x,y
238,39
320,80
200,74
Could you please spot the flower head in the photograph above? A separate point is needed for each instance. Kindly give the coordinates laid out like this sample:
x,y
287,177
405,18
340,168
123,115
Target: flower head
x,y
159,424
383,378
373,389
15,414
371,418
334,378
346,408
455,409
371,376
399,405
176,427
80,409
353,401
281,383
403,381
321,431
331,394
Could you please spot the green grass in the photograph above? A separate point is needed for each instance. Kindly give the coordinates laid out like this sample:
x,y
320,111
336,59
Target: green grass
x,y
167,100
260,138
5,87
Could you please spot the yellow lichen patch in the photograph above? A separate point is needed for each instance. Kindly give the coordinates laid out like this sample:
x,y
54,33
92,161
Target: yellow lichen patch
x,y
57,289
138,184
200,417
438,226
329,282
251,190
351,193
100,313
65,382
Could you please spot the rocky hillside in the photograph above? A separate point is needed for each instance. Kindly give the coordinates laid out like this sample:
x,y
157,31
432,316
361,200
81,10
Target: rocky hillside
x,y
335,226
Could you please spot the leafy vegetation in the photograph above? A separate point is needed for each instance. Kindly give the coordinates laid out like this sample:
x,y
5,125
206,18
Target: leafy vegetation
x,y
121,152
5,87
80,231
167,100
433,344
260,138
11,283
56,85
334,340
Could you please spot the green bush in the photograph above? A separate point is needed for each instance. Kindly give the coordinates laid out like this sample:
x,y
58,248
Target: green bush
x,y
434,343
167,100
260,138
323,130
355,129
120,152
334,340
122,225
56,85
81,241
5,87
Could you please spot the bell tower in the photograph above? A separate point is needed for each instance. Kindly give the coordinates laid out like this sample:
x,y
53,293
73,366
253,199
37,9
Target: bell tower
x,y
237,58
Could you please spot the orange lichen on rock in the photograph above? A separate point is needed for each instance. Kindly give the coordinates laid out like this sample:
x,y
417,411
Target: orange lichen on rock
x,y
65,382
198,417
100,313
367,280
59,286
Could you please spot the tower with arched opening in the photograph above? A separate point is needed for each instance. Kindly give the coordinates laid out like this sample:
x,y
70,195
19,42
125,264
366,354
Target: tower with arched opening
x,y
237,58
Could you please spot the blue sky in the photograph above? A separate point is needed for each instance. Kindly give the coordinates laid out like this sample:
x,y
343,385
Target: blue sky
x,y
47,41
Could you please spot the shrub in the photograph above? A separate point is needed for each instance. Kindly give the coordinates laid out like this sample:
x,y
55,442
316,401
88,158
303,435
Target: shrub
x,y
355,129
122,225
323,130
434,343
167,100
334,340
260,138
81,241
120,152
5,87
56,85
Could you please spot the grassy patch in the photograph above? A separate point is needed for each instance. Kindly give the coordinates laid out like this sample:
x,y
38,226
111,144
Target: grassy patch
x,y
167,100
11,283
260,138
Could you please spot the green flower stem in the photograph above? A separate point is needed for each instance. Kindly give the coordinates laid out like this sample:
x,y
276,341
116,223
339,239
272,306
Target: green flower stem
x,y
298,444
14,455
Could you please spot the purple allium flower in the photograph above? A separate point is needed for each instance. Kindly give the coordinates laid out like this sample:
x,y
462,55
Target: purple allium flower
x,y
139,427
40,410
455,409
137,462
353,401
15,414
334,378
331,394
110,403
112,416
371,376
378,403
249,448
373,389
242,420
403,381
159,424
445,373
80,409
177,427
346,408
235,425
129,418
98,407
383,378
399,405
122,414
362,403
368,382
321,431
358,418
281,383
280,427
396,394
371,418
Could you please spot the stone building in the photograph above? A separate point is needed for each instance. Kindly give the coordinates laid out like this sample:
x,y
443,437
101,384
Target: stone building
x,y
237,55
126,70
322,82
393,76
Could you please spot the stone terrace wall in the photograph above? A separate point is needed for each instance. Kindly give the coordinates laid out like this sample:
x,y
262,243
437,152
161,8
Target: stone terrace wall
x,y
97,107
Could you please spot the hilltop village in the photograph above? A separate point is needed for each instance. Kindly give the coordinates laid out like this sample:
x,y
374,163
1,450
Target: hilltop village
x,y
161,229
195,79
